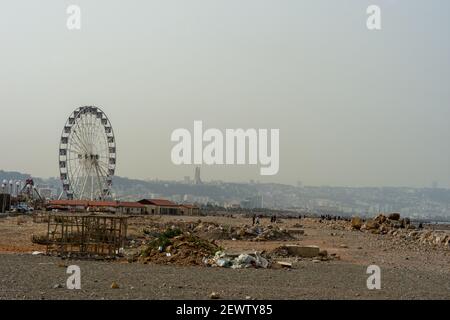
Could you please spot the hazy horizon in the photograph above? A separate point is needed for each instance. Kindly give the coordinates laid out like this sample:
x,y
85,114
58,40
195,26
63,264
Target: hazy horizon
x,y
354,107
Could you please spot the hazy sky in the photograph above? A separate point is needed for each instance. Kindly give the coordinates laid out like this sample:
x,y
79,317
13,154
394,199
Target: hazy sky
x,y
354,107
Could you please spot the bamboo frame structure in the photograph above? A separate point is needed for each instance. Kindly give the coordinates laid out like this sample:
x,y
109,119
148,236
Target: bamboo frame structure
x,y
84,235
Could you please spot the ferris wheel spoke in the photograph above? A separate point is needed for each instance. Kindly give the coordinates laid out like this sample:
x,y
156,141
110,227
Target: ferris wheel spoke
x,y
76,151
99,182
79,141
76,173
104,174
104,165
84,133
79,128
85,182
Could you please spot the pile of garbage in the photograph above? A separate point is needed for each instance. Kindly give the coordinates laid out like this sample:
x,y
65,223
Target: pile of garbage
x,y
243,260
177,247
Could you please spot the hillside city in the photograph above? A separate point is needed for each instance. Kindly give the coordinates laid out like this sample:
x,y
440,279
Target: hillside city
x,y
431,203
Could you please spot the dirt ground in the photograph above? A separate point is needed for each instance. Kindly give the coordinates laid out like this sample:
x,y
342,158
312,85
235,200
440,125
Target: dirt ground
x,y
408,271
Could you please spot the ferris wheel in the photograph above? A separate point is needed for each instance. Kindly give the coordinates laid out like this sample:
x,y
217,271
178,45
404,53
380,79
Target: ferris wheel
x,y
87,155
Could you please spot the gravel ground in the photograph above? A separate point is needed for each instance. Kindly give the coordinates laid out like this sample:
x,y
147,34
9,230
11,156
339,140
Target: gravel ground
x,y
408,270
36,277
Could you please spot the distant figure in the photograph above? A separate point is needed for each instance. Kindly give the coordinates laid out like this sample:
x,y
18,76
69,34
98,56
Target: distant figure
x,y
257,220
253,218
420,226
275,219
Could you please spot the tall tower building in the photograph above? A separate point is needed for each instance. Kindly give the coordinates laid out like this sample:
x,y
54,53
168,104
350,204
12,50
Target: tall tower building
x,y
197,179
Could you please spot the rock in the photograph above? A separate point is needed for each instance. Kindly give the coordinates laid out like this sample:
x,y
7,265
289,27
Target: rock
x,y
344,246
356,223
114,285
323,253
380,219
303,251
214,295
384,228
58,286
394,216
315,261
248,298
397,225
372,224
284,264
296,231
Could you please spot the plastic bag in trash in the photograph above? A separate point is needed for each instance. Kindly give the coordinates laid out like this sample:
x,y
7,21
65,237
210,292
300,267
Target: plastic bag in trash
x,y
260,261
222,262
244,261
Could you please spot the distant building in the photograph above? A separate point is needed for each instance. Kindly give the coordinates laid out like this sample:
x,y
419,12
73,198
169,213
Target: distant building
x,y
160,206
167,207
197,179
189,210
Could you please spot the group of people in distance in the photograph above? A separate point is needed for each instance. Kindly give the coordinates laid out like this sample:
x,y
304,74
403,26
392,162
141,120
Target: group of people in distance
x,y
256,219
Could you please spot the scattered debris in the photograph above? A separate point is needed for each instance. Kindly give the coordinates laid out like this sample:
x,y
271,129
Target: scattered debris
x,y
214,231
214,295
303,251
114,285
243,260
284,264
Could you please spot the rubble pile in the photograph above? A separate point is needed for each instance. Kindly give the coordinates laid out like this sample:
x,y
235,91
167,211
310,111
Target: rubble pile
x,y
215,231
427,237
382,224
335,224
177,247
260,233
402,228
